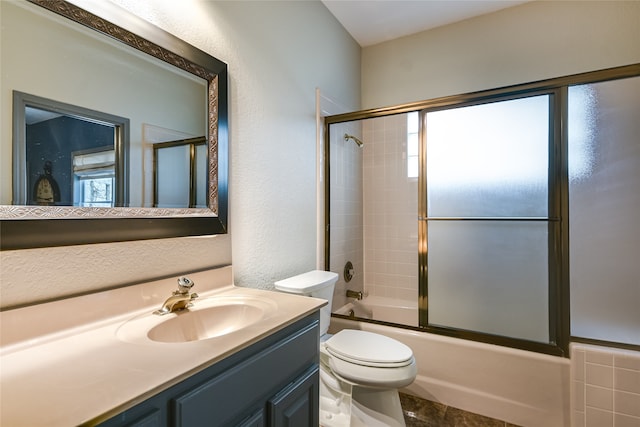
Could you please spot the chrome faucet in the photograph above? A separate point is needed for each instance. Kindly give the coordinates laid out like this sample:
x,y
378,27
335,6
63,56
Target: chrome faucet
x,y
180,299
355,294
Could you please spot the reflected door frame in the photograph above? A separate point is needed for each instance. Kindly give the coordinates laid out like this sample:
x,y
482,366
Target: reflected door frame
x,y
192,143
121,127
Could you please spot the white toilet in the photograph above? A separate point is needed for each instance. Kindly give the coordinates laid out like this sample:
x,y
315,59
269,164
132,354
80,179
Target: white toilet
x,y
360,372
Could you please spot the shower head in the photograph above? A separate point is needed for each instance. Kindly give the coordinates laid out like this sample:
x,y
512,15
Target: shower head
x,y
356,140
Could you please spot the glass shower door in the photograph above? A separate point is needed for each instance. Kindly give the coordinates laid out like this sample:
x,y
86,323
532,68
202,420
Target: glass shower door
x,y
487,222
604,201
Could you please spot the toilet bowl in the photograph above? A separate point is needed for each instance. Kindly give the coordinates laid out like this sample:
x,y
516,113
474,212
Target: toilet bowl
x,y
360,371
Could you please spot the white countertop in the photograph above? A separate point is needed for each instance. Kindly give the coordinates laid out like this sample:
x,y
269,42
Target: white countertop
x,y
61,363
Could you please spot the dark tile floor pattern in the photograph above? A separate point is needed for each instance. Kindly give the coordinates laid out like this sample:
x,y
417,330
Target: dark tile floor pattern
x,y
424,413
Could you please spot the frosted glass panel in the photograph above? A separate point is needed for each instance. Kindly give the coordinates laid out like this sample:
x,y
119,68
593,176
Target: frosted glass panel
x,y
489,160
490,277
604,203
173,177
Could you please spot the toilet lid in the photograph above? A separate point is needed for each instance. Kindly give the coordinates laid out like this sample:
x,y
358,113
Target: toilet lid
x,y
306,283
367,348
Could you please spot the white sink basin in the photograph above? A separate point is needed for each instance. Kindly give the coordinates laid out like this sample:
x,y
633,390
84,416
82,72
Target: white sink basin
x,y
208,318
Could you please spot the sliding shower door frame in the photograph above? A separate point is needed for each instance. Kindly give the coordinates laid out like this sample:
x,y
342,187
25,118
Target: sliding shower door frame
x,y
556,154
557,216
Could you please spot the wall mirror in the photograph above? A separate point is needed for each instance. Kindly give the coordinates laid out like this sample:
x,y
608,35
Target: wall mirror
x,y
156,86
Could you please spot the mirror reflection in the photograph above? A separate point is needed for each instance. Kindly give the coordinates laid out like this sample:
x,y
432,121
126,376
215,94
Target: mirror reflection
x,y
65,155
180,174
90,72
108,60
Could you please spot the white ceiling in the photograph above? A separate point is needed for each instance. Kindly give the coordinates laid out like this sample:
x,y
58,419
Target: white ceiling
x,y
374,21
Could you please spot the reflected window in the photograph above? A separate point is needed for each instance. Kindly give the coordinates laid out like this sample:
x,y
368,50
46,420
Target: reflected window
x,y
94,177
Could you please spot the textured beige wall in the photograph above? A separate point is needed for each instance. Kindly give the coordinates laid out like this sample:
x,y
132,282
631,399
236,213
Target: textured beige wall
x,y
526,43
278,54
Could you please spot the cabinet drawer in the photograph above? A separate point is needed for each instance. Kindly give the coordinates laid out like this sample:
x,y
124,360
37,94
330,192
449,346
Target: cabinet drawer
x,y
228,396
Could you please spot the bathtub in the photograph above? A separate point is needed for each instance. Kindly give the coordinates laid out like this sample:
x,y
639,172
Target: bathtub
x,y
517,386
384,309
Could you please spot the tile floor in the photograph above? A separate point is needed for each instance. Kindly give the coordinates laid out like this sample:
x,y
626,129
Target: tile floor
x,y
424,413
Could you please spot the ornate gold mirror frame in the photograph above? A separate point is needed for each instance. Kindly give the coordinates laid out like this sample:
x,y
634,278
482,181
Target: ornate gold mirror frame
x,y
43,226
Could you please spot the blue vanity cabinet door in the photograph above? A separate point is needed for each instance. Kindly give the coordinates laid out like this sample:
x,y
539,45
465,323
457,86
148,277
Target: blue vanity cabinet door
x,y
152,419
150,413
256,420
297,405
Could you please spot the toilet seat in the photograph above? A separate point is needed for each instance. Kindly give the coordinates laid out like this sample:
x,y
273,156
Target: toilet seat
x,y
368,349
367,376
368,359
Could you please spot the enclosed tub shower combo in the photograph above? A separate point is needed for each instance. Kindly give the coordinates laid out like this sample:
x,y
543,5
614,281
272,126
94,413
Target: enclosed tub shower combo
x,y
458,226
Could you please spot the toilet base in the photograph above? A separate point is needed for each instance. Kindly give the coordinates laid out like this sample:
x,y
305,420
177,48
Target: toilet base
x,y
335,400
376,408
346,405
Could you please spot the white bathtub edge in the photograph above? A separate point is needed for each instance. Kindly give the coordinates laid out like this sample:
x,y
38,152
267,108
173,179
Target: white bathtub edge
x,y
516,386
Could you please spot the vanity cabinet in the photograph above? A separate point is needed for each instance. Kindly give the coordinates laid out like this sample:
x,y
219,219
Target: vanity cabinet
x,y
273,382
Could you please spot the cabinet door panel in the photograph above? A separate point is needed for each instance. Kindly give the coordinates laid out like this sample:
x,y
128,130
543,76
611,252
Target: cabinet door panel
x,y
256,420
297,405
152,419
147,414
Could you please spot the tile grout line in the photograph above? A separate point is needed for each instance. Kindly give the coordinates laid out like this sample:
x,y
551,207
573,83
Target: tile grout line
x,y
613,391
584,388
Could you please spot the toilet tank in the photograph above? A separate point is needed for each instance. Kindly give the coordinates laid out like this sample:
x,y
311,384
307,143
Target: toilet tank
x,y
317,284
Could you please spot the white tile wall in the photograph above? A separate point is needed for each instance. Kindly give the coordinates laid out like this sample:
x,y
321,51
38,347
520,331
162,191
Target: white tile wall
x,y
374,209
605,386
390,210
